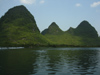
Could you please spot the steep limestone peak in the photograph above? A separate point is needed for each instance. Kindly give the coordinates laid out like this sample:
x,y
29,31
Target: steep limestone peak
x,y
84,24
86,29
53,24
52,29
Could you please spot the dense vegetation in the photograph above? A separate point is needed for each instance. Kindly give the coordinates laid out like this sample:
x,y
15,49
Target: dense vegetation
x,y
84,35
18,28
84,29
53,29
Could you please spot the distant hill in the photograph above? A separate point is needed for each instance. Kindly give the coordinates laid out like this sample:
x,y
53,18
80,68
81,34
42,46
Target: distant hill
x,y
84,29
83,35
18,28
52,29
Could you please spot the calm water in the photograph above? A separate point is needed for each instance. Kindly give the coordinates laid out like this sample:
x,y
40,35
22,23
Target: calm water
x,y
50,61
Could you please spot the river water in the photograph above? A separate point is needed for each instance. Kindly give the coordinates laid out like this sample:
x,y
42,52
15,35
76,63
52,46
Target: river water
x,y
50,61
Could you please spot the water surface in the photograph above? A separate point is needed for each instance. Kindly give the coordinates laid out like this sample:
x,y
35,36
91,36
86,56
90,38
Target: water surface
x,y
50,61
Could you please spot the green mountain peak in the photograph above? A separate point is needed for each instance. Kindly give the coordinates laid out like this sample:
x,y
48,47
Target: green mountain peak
x,y
21,15
54,26
18,27
53,29
86,29
84,24
70,30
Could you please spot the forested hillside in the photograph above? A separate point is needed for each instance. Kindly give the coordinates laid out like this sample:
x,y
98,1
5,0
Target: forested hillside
x,y
18,28
83,35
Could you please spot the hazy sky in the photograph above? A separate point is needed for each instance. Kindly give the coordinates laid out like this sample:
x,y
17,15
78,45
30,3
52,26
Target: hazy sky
x,y
66,13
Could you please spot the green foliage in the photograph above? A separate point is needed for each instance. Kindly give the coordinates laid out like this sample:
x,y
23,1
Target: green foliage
x,y
18,28
53,29
83,35
84,29
72,40
65,39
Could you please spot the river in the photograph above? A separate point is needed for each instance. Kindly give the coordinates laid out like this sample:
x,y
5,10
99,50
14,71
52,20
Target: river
x,y
50,61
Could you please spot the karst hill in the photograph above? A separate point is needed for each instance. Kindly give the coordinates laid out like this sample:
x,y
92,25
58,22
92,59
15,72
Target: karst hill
x,y
18,28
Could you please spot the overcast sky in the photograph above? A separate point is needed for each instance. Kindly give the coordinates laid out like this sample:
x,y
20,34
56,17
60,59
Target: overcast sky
x,y
66,13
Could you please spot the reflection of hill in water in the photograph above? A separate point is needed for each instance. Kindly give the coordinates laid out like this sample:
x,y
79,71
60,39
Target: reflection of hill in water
x,y
16,62
71,61
50,61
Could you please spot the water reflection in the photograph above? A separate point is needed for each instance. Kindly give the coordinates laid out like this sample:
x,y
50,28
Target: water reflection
x,y
52,61
83,61
15,62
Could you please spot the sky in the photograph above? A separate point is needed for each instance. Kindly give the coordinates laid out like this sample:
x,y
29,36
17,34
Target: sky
x,y
66,13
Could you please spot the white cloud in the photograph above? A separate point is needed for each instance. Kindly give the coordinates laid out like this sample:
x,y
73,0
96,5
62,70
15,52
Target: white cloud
x,y
42,1
95,4
27,1
78,4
